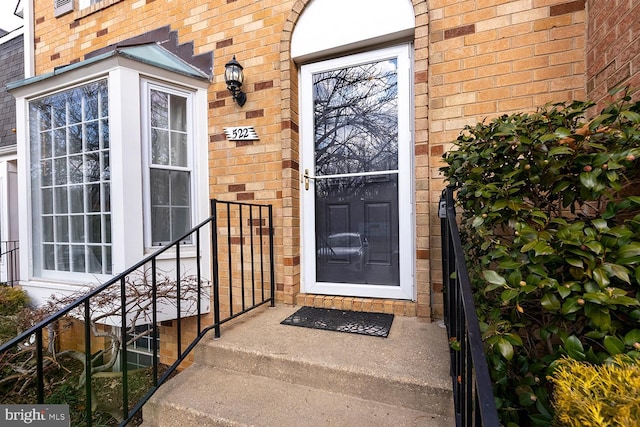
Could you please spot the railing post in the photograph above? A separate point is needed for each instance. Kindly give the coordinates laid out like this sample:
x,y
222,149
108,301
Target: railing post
x,y
123,360
216,280
241,226
273,273
40,367
88,362
154,319
229,259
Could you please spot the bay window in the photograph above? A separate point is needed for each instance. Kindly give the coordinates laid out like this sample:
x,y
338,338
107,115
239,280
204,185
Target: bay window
x,y
114,155
70,180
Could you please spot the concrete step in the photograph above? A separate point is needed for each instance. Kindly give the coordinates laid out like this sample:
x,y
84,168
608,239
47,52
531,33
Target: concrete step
x,y
267,374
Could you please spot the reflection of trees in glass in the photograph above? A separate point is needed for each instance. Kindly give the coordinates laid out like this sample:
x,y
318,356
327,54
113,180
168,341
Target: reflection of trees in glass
x,y
168,129
70,173
356,119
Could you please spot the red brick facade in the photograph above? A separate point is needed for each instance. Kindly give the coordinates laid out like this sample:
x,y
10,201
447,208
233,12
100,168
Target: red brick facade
x,y
613,47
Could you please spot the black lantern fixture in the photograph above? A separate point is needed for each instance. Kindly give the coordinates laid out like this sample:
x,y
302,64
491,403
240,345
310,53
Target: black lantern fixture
x,y
234,77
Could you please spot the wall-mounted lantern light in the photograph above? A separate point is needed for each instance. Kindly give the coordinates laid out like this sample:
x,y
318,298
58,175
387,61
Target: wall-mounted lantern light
x,y
234,77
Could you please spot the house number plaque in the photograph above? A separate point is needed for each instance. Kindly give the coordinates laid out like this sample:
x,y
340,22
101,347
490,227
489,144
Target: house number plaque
x,y
241,133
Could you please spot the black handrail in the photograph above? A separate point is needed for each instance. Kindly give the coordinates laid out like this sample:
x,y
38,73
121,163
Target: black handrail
x,y
227,216
472,391
9,258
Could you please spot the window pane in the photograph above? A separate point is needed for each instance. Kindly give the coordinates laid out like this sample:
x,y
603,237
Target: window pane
x,y
159,187
77,229
47,201
62,257
47,229
95,229
104,133
75,139
75,169
106,167
60,142
59,104
106,220
159,147
170,197
78,258
178,113
61,202
179,149
91,107
95,259
179,188
93,198
45,140
159,109
181,222
104,99
160,225
76,199
106,197
107,259
49,260
60,171
92,167
46,172
62,229
44,116
92,137
75,106
71,210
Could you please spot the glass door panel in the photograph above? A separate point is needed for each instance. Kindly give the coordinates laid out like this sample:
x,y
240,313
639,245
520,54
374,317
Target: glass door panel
x,y
351,206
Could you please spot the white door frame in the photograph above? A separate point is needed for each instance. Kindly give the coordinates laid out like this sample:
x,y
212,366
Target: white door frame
x,y
406,290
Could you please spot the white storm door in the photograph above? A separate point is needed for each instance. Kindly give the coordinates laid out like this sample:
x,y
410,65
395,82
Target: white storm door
x,y
357,210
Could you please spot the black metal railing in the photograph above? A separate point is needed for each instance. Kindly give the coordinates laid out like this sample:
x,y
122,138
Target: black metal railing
x,y
472,391
9,262
170,293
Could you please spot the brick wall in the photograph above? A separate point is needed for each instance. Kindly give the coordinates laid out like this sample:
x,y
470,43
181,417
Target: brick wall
x,y
613,47
473,59
493,57
245,171
12,69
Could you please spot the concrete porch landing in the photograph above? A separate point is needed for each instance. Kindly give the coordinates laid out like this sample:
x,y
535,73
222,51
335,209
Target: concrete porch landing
x,y
265,374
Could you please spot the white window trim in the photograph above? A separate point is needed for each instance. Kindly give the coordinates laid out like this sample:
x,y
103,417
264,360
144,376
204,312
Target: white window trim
x,y
146,87
57,274
124,77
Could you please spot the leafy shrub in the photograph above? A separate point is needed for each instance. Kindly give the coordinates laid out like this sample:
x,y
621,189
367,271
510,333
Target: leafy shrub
x,y
12,300
589,395
551,226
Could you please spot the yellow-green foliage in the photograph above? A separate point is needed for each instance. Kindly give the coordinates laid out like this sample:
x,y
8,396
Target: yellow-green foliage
x,y
12,300
597,395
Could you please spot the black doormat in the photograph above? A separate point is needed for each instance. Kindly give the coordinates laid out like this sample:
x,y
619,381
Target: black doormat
x,y
355,322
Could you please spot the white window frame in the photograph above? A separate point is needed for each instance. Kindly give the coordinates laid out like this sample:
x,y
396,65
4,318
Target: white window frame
x,y
127,165
38,245
146,87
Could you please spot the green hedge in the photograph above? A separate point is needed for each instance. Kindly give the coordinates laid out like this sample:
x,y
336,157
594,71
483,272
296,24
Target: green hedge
x,y
550,218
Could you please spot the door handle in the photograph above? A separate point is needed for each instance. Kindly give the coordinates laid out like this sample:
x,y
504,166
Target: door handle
x,y
306,177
